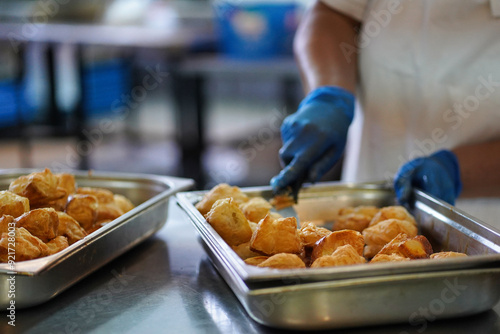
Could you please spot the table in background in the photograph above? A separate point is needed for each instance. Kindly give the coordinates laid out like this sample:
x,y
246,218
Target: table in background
x,y
190,79
188,72
174,43
168,285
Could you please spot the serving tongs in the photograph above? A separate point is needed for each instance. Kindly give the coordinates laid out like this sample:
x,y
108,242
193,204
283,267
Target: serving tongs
x,y
291,191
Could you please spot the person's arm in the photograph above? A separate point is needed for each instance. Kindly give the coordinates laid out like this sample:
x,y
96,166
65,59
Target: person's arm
x,y
317,48
467,171
314,136
479,169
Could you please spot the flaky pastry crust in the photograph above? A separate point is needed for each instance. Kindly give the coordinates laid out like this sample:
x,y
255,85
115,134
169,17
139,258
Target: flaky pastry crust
x,y
221,191
392,212
83,208
256,260
378,235
310,233
57,244
283,261
29,209
42,223
343,255
446,255
244,252
417,247
109,206
354,218
229,222
27,246
123,203
282,201
67,182
40,188
70,228
12,204
255,209
336,239
353,221
6,221
379,258
276,236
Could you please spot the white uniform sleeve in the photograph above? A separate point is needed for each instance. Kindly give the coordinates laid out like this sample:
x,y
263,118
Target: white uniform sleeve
x,y
352,8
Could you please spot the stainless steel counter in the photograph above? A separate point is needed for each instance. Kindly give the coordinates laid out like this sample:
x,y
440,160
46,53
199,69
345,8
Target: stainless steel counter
x,y
168,285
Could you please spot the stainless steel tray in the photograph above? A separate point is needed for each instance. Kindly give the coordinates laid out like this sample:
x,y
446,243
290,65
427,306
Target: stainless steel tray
x,y
39,280
348,296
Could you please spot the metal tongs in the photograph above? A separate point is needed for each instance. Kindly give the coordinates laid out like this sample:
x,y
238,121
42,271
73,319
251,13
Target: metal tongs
x,y
291,191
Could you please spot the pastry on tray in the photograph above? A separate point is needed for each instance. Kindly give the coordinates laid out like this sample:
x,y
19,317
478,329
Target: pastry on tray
x,y
343,255
360,234
44,213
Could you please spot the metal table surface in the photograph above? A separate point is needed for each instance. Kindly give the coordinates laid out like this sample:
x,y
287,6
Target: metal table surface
x,y
168,285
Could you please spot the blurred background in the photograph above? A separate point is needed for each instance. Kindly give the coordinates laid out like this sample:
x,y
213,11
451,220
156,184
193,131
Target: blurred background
x,y
191,88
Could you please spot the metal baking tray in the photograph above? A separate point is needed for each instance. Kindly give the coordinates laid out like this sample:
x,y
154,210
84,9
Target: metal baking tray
x,y
39,280
350,296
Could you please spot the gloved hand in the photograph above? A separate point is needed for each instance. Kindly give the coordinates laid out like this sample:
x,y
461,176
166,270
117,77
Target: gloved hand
x,y
314,136
437,174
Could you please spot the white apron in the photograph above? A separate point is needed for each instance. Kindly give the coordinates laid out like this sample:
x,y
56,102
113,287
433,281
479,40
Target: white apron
x,y
429,79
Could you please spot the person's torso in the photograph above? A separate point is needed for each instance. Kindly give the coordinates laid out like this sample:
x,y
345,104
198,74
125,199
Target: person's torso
x,y
430,79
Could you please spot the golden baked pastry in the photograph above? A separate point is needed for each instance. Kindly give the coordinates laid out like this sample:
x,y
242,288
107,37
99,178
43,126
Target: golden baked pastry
x,y
417,247
27,246
256,260
255,209
70,228
107,206
45,230
367,210
39,187
6,221
276,236
343,255
392,212
387,234
221,191
229,222
353,221
123,203
83,208
388,258
310,233
102,195
107,212
327,245
253,226
446,255
378,235
274,215
57,244
42,223
67,182
13,204
354,218
283,261
244,252
346,210
282,201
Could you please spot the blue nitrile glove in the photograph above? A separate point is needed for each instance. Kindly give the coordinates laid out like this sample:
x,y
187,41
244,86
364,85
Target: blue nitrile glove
x,y
314,137
437,174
